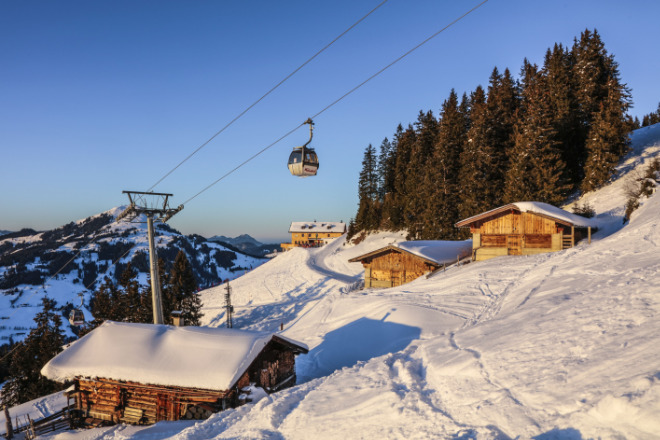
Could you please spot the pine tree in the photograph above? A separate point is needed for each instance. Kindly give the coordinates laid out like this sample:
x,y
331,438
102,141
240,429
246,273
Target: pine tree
x,y
475,160
405,141
651,118
128,306
536,169
183,291
102,303
607,143
502,105
442,206
368,215
604,101
561,86
419,175
25,381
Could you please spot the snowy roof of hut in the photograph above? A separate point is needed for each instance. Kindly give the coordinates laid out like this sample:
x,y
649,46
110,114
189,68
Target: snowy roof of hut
x,y
189,357
318,227
543,209
436,252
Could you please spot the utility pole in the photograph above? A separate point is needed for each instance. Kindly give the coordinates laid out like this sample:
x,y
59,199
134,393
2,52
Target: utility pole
x,y
230,308
153,206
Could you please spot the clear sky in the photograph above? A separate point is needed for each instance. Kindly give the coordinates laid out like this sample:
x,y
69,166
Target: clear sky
x,y
97,97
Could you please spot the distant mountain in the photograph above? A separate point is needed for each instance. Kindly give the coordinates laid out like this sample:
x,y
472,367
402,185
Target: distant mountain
x,y
246,244
3,232
76,257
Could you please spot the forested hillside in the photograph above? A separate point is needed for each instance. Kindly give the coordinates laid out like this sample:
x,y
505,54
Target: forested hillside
x,y
556,129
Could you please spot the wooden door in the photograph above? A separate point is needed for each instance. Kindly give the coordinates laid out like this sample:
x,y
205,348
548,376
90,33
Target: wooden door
x,y
395,278
514,244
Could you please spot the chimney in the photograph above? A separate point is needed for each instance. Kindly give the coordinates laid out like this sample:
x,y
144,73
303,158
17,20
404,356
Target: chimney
x,y
177,319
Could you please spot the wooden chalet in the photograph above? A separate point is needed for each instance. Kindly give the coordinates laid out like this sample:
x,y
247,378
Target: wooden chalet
x,y
525,228
313,234
403,262
144,373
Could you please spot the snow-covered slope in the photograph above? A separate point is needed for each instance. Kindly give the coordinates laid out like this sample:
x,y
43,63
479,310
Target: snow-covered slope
x,y
551,346
65,262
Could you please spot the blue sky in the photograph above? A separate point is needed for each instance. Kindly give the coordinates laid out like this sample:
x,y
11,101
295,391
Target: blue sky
x,y
100,97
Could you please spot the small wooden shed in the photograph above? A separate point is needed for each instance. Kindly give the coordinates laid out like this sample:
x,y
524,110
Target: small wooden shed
x,y
403,262
145,373
525,228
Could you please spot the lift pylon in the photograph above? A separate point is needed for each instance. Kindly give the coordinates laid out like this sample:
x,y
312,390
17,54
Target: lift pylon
x,y
153,206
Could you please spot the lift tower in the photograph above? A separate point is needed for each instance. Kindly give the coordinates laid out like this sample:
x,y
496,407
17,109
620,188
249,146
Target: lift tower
x,y
153,206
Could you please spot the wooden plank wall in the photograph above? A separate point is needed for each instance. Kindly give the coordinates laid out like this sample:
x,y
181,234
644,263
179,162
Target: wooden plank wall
x,y
108,400
394,268
515,223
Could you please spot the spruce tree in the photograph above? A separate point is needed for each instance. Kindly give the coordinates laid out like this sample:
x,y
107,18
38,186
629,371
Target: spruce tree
x,y
475,160
25,381
405,141
368,215
561,87
536,169
607,143
183,291
419,173
604,101
502,106
442,207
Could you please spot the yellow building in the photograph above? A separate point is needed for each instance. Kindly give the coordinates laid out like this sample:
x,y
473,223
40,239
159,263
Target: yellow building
x,y
313,234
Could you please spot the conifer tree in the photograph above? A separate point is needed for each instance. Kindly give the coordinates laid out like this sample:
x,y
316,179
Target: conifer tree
x,y
561,86
502,106
536,169
183,290
127,308
25,381
368,216
442,206
651,118
475,160
606,144
405,141
419,175
604,101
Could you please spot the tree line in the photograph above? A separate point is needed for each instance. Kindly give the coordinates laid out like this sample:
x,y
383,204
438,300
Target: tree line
x,y
558,128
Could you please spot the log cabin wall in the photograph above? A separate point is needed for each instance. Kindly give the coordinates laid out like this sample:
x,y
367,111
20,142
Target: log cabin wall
x,y
272,370
116,401
394,268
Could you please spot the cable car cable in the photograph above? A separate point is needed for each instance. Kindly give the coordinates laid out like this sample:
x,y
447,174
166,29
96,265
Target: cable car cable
x,y
339,99
265,95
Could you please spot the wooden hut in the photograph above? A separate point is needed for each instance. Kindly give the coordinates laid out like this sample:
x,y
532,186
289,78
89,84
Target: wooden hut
x,y
313,234
525,228
144,373
403,262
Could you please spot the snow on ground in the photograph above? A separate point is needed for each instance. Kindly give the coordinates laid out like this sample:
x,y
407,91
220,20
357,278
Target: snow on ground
x,y
35,409
552,346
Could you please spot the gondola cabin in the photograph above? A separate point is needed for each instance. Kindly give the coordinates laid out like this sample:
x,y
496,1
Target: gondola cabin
x,y
303,162
146,373
525,228
76,317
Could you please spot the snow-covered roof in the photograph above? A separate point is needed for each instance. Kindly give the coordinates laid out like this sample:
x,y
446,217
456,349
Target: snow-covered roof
x,y
434,251
318,227
190,357
438,251
541,208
